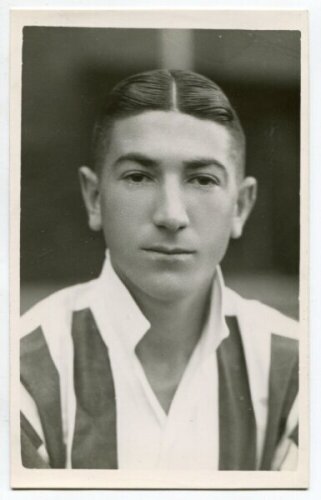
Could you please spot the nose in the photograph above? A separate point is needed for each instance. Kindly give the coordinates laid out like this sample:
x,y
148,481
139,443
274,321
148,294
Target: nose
x,y
170,211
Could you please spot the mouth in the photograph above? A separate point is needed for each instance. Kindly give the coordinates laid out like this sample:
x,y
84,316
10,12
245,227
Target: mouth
x,y
166,250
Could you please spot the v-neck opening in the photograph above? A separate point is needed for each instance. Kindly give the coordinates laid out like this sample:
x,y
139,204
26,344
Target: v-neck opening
x,y
150,393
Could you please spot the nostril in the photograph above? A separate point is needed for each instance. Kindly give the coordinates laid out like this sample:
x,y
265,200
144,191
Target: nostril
x,y
171,224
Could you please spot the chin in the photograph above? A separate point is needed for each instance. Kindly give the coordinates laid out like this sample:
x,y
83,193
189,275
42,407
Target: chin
x,y
168,288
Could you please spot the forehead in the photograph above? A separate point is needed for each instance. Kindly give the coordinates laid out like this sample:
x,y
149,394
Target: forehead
x,y
168,135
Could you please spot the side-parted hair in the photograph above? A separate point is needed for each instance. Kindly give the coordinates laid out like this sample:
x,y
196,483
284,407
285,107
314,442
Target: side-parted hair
x,y
167,90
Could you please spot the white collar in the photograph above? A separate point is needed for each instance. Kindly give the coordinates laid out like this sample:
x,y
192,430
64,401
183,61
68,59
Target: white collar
x,y
114,304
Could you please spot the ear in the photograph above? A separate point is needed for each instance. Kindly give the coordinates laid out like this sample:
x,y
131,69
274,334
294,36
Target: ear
x,y
89,183
247,192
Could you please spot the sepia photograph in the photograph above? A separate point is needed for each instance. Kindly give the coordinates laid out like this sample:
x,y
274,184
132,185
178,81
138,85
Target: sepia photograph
x,y
158,235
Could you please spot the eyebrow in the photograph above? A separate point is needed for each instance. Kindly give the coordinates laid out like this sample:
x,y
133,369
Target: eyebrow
x,y
204,162
140,158
146,161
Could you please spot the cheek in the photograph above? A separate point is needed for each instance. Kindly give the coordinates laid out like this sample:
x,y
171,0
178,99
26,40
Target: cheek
x,y
214,222
121,217
214,213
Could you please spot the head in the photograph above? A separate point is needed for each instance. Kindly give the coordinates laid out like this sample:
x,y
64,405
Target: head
x,y
167,184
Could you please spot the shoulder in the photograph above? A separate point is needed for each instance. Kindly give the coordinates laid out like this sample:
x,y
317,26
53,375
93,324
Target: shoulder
x,y
270,339
259,317
46,345
56,309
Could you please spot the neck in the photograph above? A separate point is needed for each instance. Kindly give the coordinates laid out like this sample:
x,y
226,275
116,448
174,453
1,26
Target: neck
x,y
176,325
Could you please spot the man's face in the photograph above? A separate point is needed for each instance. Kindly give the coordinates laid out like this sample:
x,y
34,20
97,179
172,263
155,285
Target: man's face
x,y
168,198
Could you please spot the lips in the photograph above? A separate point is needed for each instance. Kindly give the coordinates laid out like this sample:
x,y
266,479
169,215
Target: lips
x,y
167,250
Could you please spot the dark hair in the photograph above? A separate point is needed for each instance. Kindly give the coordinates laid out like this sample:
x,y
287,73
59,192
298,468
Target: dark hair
x,y
165,90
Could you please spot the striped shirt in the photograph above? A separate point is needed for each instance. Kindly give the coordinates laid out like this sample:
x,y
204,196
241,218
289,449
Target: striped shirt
x,y
85,402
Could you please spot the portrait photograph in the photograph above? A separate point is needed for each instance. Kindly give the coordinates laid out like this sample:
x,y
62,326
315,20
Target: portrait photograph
x,y
158,249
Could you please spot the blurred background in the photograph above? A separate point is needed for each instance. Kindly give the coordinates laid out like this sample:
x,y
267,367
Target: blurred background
x,y
67,71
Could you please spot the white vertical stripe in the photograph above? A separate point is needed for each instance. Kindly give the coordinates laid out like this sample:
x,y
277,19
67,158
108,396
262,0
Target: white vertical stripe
x,y
57,331
69,402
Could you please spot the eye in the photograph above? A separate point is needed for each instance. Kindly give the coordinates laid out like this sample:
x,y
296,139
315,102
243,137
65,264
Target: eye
x,y
137,177
205,180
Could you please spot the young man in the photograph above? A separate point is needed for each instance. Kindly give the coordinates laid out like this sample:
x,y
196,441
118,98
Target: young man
x,y
156,364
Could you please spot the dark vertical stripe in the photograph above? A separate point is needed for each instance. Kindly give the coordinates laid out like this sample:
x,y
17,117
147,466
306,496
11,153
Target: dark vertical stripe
x,y
94,442
40,377
30,431
283,388
30,443
29,454
237,426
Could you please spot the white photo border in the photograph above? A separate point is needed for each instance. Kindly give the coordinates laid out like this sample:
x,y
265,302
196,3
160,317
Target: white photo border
x,y
97,479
